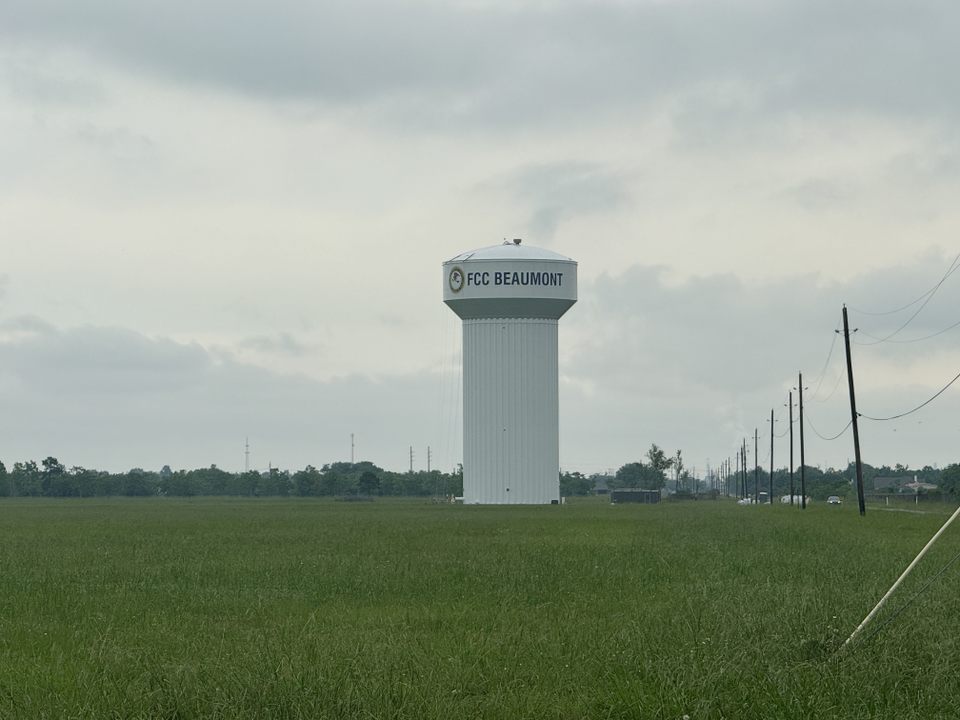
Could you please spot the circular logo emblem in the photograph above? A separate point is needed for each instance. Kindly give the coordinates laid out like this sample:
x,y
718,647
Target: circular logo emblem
x,y
456,280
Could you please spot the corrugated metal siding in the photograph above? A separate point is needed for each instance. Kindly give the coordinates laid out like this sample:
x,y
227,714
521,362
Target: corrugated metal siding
x,y
511,448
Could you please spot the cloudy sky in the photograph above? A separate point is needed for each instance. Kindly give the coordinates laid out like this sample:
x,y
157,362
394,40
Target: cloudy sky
x,y
221,220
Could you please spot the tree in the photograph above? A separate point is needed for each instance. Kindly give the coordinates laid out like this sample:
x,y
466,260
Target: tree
x,y
25,479
950,479
629,475
274,482
638,475
306,482
368,484
659,463
332,483
136,483
51,473
575,483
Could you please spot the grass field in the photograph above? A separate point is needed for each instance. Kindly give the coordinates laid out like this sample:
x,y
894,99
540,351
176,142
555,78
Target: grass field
x,y
163,608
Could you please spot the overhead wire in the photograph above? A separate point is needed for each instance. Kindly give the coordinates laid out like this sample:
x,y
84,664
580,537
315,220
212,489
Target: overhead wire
x,y
823,437
826,362
910,304
832,392
954,266
911,340
918,407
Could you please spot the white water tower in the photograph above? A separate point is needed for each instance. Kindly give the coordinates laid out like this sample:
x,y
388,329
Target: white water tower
x,y
510,298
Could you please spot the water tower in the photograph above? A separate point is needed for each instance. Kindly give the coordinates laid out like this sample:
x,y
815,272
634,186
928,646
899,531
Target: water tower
x,y
510,298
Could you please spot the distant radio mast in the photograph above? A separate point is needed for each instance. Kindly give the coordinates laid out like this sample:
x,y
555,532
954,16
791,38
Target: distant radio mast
x,y
351,448
246,455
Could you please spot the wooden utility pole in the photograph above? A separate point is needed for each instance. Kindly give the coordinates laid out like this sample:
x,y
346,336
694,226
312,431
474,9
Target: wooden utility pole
x,y
790,401
770,497
739,473
746,486
756,466
853,414
803,475
740,483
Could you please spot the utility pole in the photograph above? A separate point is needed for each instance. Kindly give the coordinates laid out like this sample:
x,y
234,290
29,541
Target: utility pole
x,y
739,475
742,458
743,465
853,414
803,475
790,403
740,461
756,466
770,495
411,458
429,457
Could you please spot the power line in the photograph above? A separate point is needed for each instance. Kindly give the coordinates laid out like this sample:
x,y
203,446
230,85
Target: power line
x,y
921,405
826,362
911,340
932,290
832,392
828,439
953,268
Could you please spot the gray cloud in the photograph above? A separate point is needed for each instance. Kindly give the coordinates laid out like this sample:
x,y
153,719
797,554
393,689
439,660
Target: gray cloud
x,y
113,398
97,362
30,77
819,195
282,343
559,191
438,63
700,363
118,141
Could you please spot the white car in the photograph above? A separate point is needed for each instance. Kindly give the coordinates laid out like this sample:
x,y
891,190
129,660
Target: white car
x,y
834,500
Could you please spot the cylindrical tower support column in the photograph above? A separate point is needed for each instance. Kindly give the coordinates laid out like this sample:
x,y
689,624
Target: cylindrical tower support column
x,y
511,447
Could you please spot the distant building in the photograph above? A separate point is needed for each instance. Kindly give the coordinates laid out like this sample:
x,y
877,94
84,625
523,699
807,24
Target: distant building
x,y
889,483
902,484
631,495
917,487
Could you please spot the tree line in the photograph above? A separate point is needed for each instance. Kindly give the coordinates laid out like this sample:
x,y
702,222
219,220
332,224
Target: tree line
x,y
656,471
822,483
52,479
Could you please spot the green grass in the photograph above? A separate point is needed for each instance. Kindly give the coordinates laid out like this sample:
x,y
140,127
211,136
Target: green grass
x,y
165,608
